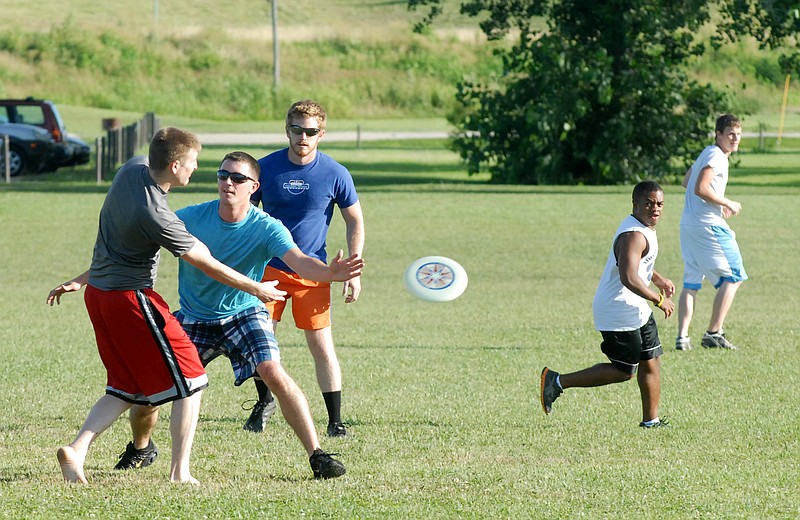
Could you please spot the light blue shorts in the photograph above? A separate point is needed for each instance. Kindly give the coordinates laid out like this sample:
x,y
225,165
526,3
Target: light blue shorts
x,y
710,252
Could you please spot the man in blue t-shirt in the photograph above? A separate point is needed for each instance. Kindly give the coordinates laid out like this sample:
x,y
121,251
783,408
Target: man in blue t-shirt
x,y
300,186
224,321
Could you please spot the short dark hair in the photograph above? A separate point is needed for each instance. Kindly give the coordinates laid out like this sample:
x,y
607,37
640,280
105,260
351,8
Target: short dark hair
x,y
171,144
645,187
727,120
246,158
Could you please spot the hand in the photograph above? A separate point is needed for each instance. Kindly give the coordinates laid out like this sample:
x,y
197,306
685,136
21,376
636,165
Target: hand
x,y
666,286
351,289
344,270
55,295
731,208
668,307
269,292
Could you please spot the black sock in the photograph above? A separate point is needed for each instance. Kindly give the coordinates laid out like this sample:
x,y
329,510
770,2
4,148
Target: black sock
x,y
264,395
333,402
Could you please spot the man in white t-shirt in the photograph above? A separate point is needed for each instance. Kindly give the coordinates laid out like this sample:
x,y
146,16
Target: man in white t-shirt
x,y
708,244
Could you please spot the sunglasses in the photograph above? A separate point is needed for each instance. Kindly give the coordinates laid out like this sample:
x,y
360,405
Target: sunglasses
x,y
300,130
237,178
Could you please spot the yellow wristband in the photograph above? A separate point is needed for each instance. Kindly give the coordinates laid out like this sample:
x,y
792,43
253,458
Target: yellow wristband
x,y
660,300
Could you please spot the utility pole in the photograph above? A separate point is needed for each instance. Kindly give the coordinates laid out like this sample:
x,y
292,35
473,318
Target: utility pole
x,y
155,13
276,70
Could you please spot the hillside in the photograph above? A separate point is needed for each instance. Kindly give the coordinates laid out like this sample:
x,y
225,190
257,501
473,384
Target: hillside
x,y
360,58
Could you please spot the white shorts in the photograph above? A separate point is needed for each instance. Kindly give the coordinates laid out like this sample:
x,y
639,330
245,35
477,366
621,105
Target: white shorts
x,y
710,252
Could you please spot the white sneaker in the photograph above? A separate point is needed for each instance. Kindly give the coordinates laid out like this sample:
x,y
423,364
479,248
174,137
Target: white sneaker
x,y
683,343
717,340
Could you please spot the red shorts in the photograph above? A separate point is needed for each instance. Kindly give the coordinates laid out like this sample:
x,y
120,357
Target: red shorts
x,y
311,307
149,359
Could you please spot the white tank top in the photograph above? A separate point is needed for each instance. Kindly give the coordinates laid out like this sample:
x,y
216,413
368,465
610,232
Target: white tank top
x,y
617,308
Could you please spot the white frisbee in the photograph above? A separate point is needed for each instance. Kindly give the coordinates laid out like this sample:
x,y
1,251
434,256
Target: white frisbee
x,y
435,279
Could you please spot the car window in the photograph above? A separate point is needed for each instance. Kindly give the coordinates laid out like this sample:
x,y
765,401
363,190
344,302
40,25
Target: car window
x,y
32,115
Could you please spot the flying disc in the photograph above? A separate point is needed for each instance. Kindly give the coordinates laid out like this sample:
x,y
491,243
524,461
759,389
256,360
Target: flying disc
x,y
435,279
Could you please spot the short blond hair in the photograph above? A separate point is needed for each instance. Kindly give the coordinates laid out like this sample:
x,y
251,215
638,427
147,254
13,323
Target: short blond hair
x,y
307,108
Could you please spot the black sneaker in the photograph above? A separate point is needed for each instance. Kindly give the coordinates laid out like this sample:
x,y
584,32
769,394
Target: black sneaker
x,y
132,458
259,416
661,423
337,429
324,465
550,390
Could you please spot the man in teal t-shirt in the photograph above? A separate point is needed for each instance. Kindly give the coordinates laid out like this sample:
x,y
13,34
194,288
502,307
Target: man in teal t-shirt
x,y
224,321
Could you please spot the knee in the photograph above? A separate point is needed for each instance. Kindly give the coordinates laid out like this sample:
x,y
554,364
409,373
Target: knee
x,y
272,373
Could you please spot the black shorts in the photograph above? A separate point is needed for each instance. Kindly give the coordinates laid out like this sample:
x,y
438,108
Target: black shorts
x,y
626,348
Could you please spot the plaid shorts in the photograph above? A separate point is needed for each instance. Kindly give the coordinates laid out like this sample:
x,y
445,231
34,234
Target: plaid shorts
x,y
243,338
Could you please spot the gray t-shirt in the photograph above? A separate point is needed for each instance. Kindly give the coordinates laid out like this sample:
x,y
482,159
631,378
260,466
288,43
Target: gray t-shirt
x,y
135,222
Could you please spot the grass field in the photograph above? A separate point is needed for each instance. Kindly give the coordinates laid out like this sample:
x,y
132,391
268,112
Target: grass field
x,y
441,398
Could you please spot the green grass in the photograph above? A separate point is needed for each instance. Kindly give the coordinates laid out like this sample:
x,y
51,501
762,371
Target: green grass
x,y
441,397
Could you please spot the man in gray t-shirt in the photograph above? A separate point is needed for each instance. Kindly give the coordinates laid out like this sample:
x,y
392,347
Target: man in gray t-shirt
x,y
149,360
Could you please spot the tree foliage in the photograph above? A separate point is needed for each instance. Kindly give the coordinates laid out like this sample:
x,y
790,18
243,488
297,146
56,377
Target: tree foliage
x,y
601,95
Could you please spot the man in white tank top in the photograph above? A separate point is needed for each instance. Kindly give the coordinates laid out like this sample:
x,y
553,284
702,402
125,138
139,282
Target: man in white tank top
x,y
622,313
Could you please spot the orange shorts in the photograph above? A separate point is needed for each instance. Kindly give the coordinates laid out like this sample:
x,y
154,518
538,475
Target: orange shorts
x,y
149,359
311,307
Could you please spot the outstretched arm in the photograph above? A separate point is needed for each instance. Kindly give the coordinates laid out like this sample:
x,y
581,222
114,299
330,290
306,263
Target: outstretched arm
x,y
339,270
76,284
200,257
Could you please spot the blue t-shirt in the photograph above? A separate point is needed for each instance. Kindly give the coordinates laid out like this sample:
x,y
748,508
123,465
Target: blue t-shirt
x,y
245,246
303,197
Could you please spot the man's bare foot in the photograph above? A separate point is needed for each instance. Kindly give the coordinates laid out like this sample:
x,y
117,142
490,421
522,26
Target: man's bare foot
x,y
71,465
191,480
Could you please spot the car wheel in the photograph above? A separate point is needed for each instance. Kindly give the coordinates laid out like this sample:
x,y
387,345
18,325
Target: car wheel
x,y
16,161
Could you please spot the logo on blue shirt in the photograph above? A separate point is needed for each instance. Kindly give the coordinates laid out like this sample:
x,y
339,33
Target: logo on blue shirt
x,y
296,187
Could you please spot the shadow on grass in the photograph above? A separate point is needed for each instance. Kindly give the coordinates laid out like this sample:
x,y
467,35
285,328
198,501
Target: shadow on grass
x,y
413,175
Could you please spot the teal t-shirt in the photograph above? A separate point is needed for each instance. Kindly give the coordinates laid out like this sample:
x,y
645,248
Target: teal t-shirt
x,y
246,246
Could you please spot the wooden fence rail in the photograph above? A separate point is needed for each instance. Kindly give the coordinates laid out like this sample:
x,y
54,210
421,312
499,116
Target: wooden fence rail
x,y
122,143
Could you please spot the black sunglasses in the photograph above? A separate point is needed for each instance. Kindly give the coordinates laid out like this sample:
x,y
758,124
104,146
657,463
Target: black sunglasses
x,y
237,178
300,130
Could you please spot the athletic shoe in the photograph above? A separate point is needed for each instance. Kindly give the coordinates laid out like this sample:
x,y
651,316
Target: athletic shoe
x,y
717,340
550,389
661,423
132,458
683,343
324,465
259,416
337,429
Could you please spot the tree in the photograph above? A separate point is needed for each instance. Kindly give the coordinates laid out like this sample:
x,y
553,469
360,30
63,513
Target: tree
x,y
600,96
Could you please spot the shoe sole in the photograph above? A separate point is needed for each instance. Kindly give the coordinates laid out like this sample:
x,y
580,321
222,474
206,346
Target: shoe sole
x,y
542,379
335,473
719,346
